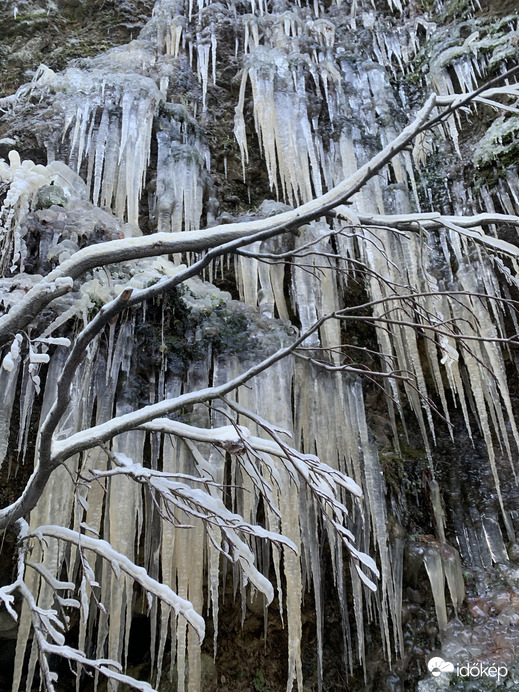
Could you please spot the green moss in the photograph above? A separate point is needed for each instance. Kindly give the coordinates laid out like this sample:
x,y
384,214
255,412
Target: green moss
x,y
259,683
175,333
408,465
162,336
226,330
457,9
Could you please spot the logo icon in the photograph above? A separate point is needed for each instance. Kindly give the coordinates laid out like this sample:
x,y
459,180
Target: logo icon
x,y
437,666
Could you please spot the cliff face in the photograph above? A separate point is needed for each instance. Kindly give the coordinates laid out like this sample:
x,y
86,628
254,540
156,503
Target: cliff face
x,y
175,116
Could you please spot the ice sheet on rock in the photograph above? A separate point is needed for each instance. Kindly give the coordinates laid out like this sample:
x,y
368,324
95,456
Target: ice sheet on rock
x,y
439,513
494,539
180,183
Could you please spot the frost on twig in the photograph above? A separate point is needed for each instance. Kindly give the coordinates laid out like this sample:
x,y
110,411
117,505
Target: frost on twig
x,y
49,625
170,494
322,481
122,563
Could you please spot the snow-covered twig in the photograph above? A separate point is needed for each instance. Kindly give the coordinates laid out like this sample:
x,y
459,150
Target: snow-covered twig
x,y
468,226
120,562
321,479
207,507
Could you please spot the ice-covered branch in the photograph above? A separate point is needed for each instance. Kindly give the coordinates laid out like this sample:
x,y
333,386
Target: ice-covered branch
x,y
121,563
46,624
458,101
488,99
85,439
469,226
322,480
21,529
199,503
103,317
240,436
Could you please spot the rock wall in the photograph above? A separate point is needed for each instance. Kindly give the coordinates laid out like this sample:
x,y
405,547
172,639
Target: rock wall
x,y
207,113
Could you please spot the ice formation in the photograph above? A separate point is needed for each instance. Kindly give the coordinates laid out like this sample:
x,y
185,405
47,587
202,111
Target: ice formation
x,y
105,119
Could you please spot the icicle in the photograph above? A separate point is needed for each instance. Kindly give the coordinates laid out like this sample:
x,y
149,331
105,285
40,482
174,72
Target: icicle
x,y
239,124
213,52
375,491
203,51
292,570
438,510
434,568
310,541
167,562
397,566
55,505
8,380
454,575
494,539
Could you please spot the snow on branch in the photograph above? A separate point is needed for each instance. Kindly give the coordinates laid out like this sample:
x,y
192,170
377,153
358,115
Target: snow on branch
x,y
207,507
43,621
63,449
322,481
119,561
469,226
90,437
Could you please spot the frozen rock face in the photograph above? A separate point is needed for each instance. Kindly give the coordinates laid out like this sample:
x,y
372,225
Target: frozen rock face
x,y
213,108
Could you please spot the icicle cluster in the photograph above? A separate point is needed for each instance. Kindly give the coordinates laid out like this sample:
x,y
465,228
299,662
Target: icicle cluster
x,y
181,161
319,114
107,120
23,181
